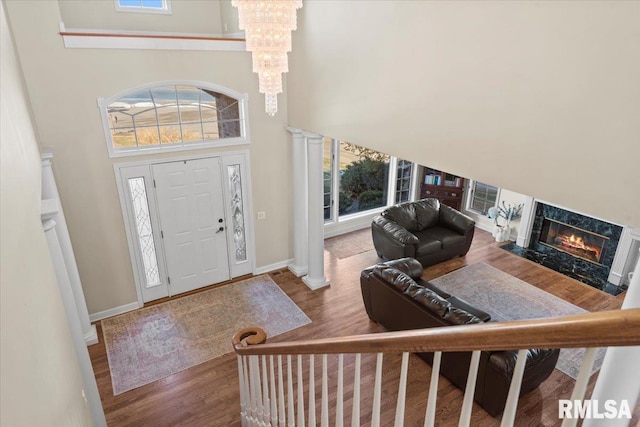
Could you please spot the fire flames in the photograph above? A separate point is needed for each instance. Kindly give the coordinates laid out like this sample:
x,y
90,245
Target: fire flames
x,y
576,245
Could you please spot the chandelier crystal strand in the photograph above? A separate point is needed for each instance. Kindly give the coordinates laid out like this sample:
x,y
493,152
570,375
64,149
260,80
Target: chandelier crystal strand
x,y
268,25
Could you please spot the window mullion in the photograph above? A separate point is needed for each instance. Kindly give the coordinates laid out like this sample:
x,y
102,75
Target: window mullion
x,y
335,178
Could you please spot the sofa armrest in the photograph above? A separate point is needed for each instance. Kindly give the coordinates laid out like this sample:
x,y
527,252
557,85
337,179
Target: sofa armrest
x,y
409,266
395,232
455,220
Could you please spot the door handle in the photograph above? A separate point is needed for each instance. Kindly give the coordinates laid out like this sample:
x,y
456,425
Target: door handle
x,y
220,229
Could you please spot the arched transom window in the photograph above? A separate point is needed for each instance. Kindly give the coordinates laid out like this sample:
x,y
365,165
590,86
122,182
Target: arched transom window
x,y
173,116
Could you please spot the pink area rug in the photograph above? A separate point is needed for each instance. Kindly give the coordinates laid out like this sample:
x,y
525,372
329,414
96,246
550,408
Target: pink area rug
x,y
152,343
506,297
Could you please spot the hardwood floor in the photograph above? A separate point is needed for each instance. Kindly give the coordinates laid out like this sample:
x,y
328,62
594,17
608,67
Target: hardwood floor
x,y
207,394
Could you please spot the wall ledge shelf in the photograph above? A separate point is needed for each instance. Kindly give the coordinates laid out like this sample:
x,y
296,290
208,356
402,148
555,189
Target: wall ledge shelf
x,y
121,39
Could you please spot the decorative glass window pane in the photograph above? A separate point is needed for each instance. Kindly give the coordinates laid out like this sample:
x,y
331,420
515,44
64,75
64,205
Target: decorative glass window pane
x,y
145,233
182,115
237,213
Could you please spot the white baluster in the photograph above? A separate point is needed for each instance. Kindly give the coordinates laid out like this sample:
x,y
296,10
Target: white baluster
x,y
312,393
254,394
243,393
324,415
402,390
247,387
580,387
467,403
377,393
511,405
283,417
266,404
355,413
258,389
291,414
430,415
300,393
340,393
274,397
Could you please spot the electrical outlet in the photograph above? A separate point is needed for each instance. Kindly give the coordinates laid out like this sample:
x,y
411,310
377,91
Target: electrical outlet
x,y
262,215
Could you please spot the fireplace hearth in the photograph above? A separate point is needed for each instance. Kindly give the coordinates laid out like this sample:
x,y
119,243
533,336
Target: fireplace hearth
x,y
573,244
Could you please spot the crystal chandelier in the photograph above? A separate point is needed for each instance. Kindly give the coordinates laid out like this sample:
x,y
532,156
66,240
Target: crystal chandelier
x,y
268,25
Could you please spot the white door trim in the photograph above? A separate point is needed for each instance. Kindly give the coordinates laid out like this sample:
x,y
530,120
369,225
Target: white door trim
x,y
228,157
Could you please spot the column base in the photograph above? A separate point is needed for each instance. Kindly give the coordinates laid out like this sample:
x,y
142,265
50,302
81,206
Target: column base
x,y
298,270
91,337
314,284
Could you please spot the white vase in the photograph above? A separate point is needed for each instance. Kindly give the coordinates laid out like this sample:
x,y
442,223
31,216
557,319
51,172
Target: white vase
x,y
502,234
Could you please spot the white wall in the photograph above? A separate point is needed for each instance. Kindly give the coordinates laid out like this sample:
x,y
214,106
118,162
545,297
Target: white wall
x,y
64,84
539,97
187,16
41,382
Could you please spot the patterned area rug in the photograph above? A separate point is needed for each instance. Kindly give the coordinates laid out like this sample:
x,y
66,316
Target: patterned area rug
x,y
152,343
351,244
505,297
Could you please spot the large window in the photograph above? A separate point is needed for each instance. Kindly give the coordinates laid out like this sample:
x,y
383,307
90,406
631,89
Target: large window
x,y
358,180
483,197
166,117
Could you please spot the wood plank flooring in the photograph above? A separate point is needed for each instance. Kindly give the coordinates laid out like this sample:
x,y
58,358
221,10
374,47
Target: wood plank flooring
x,y
207,394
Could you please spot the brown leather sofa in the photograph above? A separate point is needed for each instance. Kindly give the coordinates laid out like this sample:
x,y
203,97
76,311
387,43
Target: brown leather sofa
x,y
397,298
425,230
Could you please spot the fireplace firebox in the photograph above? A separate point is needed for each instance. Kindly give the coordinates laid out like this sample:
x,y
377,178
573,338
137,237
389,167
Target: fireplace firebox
x,y
572,240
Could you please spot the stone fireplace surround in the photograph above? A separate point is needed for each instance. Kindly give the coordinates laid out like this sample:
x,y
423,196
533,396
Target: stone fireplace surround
x,y
618,256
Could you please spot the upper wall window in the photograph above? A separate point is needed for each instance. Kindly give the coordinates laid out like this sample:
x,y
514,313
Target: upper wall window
x,y
143,6
173,116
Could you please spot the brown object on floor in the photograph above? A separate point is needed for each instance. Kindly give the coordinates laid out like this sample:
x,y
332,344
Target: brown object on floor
x,y
349,244
152,343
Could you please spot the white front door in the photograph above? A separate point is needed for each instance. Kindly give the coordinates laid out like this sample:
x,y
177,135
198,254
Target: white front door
x,y
191,210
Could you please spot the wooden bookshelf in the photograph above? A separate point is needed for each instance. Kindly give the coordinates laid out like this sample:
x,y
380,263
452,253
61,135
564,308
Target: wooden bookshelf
x,y
443,186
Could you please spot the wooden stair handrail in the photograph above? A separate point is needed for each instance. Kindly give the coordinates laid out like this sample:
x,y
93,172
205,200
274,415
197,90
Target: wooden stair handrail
x,y
600,329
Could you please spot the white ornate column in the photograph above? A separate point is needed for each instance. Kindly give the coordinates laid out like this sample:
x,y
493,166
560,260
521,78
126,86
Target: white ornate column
x,y
315,278
50,193
300,264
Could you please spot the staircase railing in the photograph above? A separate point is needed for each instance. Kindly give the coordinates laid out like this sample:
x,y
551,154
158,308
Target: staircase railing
x,y
262,367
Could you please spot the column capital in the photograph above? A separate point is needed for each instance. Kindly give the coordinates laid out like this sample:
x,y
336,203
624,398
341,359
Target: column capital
x,y
301,132
313,138
295,131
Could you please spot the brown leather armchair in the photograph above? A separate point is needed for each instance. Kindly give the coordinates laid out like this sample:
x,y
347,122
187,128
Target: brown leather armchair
x,y
397,298
425,230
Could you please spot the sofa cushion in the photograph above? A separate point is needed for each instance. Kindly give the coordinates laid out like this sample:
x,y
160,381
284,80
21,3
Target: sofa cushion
x,y
427,246
427,298
409,266
427,213
404,215
444,235
397,278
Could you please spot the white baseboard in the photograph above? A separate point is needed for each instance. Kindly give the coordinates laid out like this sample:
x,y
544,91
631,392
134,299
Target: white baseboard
x,y
298,271
272,267
91,337
114,311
